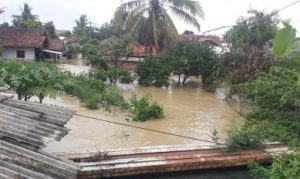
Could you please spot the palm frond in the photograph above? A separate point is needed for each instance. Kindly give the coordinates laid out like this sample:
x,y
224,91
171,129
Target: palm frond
x,y
130,5
192,7
134,22
172,31
188,18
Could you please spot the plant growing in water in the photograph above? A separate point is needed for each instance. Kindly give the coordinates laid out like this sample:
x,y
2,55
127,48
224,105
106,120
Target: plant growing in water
x,y
143,109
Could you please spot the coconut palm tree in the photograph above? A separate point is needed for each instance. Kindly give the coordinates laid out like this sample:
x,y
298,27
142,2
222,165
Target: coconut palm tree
x,y
150,19
26,15
82,22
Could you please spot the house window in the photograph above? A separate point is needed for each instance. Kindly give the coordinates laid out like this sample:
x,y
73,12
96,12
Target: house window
x,y
20,54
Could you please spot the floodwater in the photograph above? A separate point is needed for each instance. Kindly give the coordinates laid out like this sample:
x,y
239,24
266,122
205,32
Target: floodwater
x,y
189,111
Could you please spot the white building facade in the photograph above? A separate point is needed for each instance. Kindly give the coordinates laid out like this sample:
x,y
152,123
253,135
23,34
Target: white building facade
x,y
19,54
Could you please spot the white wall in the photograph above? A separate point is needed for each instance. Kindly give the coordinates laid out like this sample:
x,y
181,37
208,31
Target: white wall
x,y
11,54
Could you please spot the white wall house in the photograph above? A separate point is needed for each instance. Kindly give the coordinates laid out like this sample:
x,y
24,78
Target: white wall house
x,y
22,44
18,54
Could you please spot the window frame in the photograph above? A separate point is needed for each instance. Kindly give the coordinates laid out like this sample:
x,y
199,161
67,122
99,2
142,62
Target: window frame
x,y
20,56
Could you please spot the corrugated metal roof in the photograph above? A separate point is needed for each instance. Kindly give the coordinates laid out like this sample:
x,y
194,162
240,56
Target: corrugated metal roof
x,y
25,128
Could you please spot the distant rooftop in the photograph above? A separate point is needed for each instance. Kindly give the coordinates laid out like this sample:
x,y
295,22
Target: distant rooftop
x,y
202,38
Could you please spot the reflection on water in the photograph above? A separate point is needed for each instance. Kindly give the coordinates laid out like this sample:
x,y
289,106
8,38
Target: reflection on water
x,y
189,111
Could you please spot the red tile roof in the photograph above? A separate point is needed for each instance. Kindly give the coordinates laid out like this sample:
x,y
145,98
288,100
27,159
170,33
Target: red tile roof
x,y
21,37
202,38
55,45
138,50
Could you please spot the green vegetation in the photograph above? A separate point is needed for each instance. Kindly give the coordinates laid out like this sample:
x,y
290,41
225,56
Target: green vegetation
x,y
150,22
93,92
284,166
185,60
250,47
43,79
153,72
143,109
50,30
110,68
245,138
274,96
34,79
28,20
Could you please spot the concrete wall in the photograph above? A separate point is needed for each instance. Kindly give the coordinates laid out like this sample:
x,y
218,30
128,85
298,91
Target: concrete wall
x,y
130,64
11,54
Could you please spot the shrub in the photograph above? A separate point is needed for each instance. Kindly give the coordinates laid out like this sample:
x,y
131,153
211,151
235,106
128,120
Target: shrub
x,y
93,92
113,96
126,77
245,138
34,79
284,166
153,72
143,109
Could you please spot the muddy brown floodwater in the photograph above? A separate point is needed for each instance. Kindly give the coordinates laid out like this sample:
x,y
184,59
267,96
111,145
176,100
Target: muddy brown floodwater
x,y
189,111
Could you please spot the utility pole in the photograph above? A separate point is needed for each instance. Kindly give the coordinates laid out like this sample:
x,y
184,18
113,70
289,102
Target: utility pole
x,y
90,29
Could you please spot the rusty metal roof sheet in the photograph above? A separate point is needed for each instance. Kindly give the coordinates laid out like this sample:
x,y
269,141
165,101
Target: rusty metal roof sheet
x,y
164,159
25,128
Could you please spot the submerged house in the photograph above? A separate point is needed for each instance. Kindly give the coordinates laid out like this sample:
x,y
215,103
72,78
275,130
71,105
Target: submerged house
x,y
138,54
23,44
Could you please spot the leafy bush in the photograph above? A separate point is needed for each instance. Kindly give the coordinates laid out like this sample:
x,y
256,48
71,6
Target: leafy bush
x,y
284,166
245,138
143,109
274,97
113,96
34,79
153,72
126,77
93,92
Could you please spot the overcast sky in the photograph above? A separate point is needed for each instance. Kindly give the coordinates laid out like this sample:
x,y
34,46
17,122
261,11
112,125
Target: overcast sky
x,y
217,12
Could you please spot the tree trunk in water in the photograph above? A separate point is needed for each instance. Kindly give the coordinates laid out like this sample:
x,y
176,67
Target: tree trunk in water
x,y
41,98
184,79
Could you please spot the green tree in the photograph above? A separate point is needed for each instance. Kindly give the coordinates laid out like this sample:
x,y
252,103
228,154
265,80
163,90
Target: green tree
x,y
250,46
26,18
5,24
114,72
67,34
191,59
34,79
258,30
150,19
82,22
153,72
50,30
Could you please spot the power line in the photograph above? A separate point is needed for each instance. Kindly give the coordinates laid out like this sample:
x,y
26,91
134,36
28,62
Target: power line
x,y
274,13
151,130
292,4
